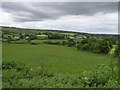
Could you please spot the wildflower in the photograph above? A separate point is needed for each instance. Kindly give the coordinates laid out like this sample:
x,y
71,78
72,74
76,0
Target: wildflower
x,y
86,78
31,69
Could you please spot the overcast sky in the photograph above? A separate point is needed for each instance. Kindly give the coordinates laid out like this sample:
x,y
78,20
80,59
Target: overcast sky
x,y
90,17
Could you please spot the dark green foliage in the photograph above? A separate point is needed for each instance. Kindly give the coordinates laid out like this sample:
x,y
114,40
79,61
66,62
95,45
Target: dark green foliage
x,y
88,45
42,78
71,43
55,36
32,37
117,51
117,54
97,46
105,46
51,42
119,70
9,39
21,36
33,43
101,77
13,65
84,41
64,43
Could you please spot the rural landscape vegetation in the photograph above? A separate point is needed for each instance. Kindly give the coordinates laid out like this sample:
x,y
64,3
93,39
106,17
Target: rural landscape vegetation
x,y
33,58
55,58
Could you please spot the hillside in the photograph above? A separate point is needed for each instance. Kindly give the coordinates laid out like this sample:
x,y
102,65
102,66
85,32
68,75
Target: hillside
x,y
33,31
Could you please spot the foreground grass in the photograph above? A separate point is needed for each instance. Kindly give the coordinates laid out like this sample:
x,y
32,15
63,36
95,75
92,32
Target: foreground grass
x,y
57,59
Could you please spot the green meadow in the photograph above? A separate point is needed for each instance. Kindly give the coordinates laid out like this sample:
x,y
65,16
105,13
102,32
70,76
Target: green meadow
x,y
42,41
59,59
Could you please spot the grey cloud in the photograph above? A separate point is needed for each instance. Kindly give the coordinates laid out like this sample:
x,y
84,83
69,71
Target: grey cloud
x,y
24,12
85,8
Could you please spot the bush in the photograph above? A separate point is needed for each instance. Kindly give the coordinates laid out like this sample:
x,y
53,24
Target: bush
x,y
49,42
13,65
96,46
64,43
117,50
71,43
33,43
55,36
42,78
101,77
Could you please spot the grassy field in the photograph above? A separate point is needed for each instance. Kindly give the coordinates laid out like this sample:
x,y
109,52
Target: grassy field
x,y
59,59
42,41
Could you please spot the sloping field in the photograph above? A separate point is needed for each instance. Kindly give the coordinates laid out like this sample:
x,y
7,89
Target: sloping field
x,y
59,59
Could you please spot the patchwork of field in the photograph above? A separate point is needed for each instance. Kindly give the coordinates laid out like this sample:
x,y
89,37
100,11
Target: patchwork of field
x,y
59,59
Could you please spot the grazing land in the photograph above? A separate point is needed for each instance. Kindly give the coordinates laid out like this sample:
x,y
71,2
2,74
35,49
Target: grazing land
x,y
57,58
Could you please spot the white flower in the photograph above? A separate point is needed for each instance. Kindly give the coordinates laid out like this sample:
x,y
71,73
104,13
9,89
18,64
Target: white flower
x,y
86,78
31,69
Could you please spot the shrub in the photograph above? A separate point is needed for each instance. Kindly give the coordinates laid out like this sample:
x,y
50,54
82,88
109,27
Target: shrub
x,y
33,43
55,36
64,43
93,45
42,78
13,65
101,77
71,43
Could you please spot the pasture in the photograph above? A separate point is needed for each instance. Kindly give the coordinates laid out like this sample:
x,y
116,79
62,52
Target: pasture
x,y
53,40
59,59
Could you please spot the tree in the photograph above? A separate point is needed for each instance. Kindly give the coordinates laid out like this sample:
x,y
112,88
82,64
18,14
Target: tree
x,y
117,50
105,46
32,37
21,36
9,39
84,41
96,46
64,43
71,43
55,36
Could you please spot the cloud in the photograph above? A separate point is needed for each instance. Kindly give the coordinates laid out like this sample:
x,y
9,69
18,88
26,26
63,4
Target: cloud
x,y
34,11
90,17
99,23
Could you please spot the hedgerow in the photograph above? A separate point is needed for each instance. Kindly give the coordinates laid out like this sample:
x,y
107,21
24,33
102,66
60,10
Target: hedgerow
x,y
18,75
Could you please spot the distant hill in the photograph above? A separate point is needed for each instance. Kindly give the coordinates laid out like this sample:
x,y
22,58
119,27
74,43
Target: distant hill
x,y
33,31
